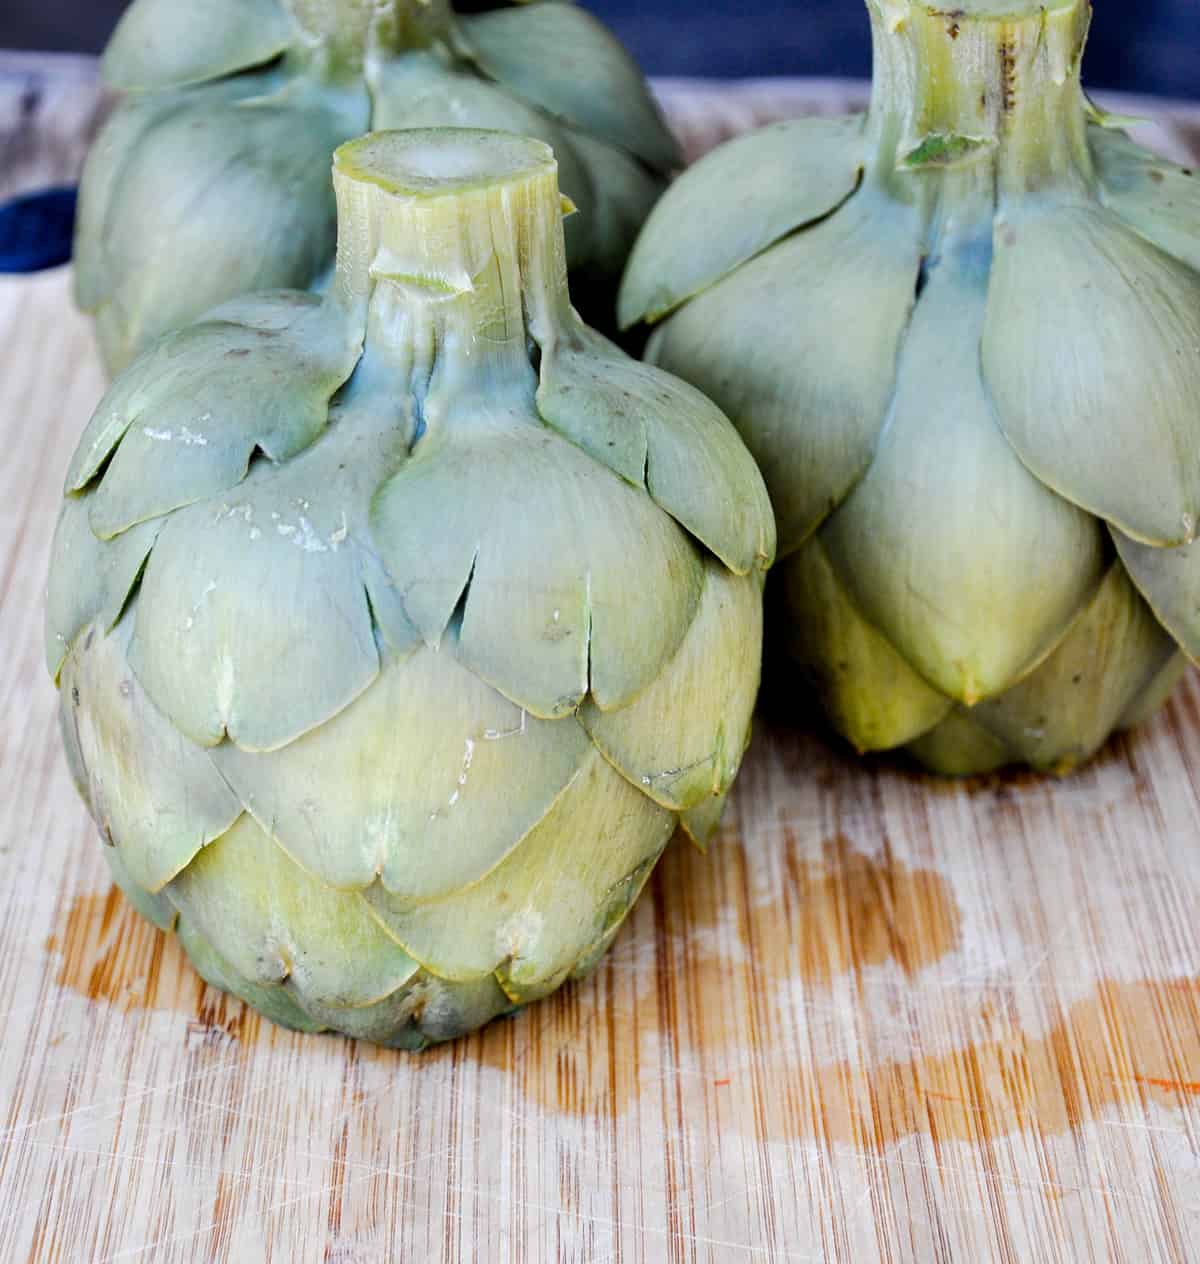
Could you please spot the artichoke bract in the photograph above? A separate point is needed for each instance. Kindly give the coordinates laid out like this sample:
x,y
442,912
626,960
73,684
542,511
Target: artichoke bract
x,y
211,179
961,336
397,630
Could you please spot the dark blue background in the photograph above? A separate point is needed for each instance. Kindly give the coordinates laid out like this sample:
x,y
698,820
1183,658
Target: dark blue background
x,y
1147,46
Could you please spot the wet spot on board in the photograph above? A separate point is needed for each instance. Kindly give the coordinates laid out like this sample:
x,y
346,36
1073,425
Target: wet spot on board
x,y
109,953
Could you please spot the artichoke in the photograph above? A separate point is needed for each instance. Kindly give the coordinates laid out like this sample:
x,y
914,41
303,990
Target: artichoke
x,y
211,180
396,630
961,336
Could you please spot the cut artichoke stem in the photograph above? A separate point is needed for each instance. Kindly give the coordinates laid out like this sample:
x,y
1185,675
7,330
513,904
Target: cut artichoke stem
x,y
1001,95
448,243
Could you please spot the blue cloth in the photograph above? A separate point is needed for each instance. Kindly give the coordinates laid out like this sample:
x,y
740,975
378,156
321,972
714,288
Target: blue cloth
x,y
1152,46
35,230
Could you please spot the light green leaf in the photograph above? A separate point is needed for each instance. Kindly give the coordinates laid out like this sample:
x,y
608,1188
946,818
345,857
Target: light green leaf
x,y
272,1000
567,564
959,747
270,922
681,740
653,429
187,417
91,579
1154,695
162,44
561,59
1058,717
799,349
1150,193
736,202
429,780
1169,579
156,797
542,909
156,909
1089,351
969,566
873,697
251,209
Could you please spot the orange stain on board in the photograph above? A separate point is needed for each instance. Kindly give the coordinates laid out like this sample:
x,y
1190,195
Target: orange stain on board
x,y
838,913
110,953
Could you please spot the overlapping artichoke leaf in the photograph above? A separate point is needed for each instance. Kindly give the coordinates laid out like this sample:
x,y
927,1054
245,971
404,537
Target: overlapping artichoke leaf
x,y
275,922
657,431
429,780
1061,714
162,44
562,60
1154,694
156,797
609,218
959,746
1089,351
183,422
426,1009
534,544
537,913
737,201
681,740
871,694
257,611
799,348
270,999
1169,579
1157,197
969,566
114,148
91,579
253,200
156,909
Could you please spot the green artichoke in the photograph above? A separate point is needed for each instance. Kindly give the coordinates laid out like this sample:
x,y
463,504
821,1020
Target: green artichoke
x,y
211,180
397,630
961,336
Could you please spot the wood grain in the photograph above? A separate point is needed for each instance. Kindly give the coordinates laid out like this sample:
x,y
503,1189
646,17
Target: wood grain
x,y
886,1018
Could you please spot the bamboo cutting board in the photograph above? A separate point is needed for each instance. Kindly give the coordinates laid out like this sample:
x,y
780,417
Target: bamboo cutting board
x,y
887,1018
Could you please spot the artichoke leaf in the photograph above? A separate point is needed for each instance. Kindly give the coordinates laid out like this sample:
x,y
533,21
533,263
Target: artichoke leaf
x,y
799,349
1152,194
540,911
253,616
1059,716
428,780
497,513
702,821
969,566
655,430
114,147
736,202
91,579
272,922
562,60
156,796
871,694
161,44
270,999
1154,695
1089,351
620,193
422,1012
253,201
1169,579
156,909
190,413
681,740
959,747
